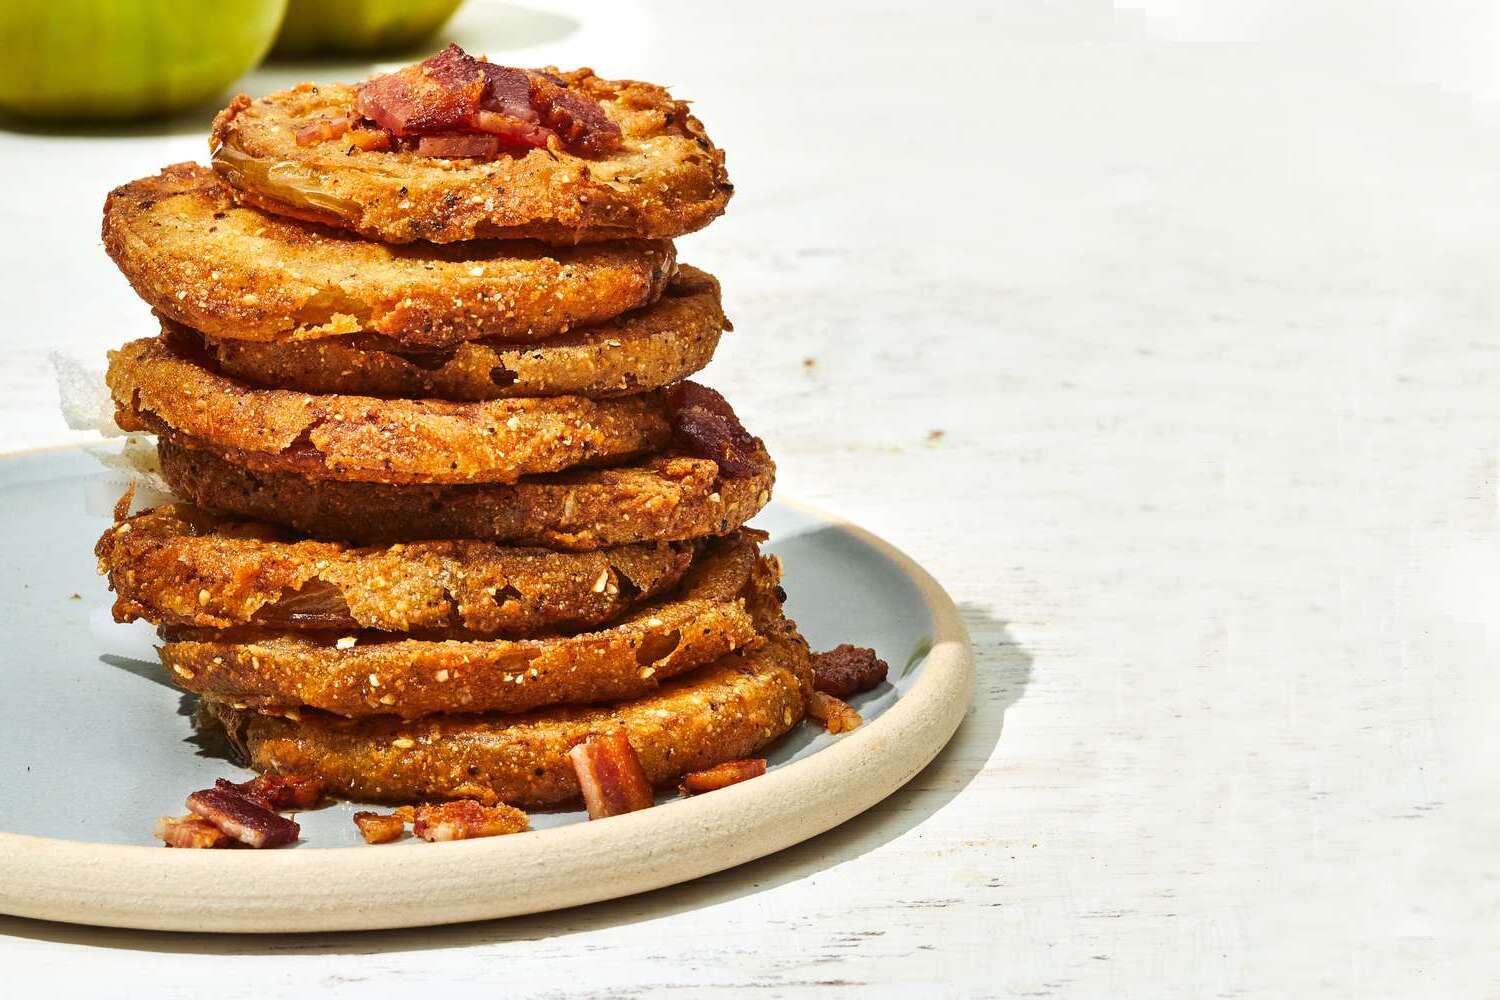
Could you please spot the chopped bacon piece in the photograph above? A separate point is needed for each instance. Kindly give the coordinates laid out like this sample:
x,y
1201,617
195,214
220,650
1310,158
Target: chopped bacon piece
x,y
439,93
835,715
279,791
369,139
610,775
731,772
705,425
378,828
190,831
846,670
455,145
580,123
508,92
512,132
466,819
452,92
245,820
322,130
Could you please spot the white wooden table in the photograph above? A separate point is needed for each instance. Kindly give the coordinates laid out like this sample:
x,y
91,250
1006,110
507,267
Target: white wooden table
x,y
1166,337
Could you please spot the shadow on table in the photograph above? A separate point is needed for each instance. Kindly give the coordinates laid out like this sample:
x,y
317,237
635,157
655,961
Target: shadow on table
x,y
1003,671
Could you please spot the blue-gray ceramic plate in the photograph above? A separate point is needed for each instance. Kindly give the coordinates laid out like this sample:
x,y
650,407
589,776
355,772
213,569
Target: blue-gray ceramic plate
x,y
95,743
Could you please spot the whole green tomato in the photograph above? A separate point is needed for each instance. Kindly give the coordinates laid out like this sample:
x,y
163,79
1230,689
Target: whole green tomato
x,y
71,60
360,26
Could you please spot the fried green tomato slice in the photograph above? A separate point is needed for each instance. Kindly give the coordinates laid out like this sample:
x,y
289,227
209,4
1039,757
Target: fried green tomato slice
x,y
665,179
379,674
239,274
157,386
639,351
667,497
182,565
723,711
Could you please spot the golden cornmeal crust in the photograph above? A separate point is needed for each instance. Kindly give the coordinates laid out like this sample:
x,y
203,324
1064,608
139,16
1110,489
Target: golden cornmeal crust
x,y
237,273
376,674
157,387
727,710
181,565
642,350
664,498
666,179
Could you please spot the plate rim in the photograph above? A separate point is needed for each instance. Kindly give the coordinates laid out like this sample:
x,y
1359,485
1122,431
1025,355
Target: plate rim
x,y
148,888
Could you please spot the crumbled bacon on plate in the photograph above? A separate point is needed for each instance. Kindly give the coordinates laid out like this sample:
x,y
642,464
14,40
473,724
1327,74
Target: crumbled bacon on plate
x,y
242,818
731,772
379,828
846,670
610,775
704,424
190,831
466,819
835,715
279,791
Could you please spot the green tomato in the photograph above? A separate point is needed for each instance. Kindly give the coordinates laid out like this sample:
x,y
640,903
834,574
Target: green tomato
x,y
117,59
360,26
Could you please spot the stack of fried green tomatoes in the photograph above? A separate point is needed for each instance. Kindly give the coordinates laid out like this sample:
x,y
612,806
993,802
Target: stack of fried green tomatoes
x,y
454,523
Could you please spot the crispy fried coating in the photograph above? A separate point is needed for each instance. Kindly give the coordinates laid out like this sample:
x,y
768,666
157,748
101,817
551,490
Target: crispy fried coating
x,y
157,387
237,273
376,674
666,179
724,711
181,565
664,498
639,351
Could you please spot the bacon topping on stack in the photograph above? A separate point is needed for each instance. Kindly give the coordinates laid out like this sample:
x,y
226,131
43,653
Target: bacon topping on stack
x,y
704,424
610,775
455,106
581,124
731,772
457,145
323,129
437,94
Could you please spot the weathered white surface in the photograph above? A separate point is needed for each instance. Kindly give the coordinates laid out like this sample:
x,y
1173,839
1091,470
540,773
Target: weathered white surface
x,y
1202,299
